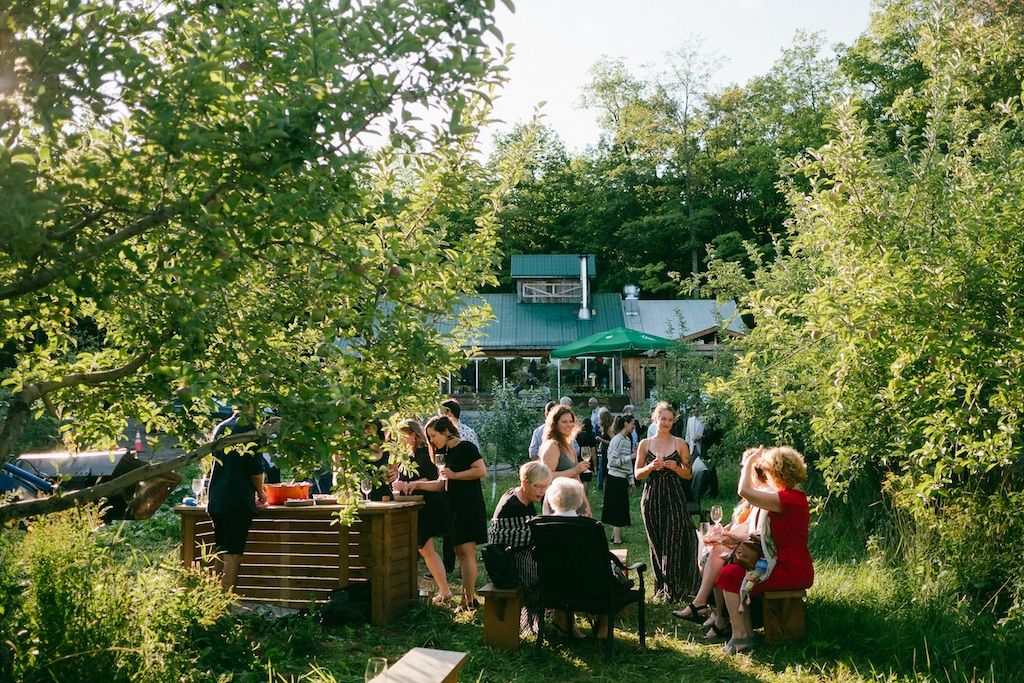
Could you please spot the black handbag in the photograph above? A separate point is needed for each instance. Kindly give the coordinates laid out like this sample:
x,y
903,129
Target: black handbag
x,y
500,565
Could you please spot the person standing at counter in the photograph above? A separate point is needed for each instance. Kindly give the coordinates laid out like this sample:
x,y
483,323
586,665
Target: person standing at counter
x,y
463,470
236,483
434,517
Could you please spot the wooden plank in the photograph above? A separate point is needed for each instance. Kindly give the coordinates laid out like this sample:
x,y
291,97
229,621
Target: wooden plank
x,y
397,582
289,594
291,560
425,665
286,570
378,569
317,582
295,536
296,548
188,541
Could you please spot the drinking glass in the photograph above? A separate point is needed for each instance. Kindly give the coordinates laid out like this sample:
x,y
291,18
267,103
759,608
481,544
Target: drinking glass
x,y
716,514
197,488
705,531
586,453
365,485
375,666
439,461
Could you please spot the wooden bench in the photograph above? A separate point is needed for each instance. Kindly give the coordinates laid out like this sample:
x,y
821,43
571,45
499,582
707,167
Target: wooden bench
x,y
502,607
424,665
783,616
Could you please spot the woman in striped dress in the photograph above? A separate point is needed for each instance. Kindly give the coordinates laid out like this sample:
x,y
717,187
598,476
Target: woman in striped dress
x,y
664,462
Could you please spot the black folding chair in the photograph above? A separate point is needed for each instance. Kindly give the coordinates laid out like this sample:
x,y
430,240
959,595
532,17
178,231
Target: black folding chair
x,y
575,570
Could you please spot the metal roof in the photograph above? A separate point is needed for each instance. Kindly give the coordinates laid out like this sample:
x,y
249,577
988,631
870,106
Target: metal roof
x,y
550,265
684,318
543,326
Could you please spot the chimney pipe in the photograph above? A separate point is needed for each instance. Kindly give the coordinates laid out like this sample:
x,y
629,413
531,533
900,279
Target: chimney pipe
x,y
585,303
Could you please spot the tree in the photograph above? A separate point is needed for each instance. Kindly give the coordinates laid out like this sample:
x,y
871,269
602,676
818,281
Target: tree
x,y
241,199
888,339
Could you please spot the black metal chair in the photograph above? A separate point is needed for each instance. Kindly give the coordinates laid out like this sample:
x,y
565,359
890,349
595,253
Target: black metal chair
x,y
575,570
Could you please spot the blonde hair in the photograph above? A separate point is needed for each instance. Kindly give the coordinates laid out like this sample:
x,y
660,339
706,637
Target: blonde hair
x,y
535,472
785,464
416,429
661,408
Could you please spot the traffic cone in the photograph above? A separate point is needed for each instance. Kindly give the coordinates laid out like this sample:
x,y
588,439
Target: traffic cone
x,y
138,441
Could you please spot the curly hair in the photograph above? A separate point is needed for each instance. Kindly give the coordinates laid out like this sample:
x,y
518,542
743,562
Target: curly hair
x,y
785,465
551,426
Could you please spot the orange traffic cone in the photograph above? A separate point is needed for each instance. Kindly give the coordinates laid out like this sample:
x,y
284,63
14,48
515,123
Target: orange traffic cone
x,y
138,441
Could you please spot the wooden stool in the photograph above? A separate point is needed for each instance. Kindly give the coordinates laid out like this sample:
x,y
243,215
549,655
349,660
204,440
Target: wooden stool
x,y
424,665
783,614
502,607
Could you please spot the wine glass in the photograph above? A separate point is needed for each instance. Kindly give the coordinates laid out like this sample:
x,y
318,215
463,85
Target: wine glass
x,y
197,487
716,514
365,485
439,461
375,666
705,532
586,453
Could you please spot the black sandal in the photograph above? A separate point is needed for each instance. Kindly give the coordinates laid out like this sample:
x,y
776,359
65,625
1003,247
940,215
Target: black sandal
x,y
721,634
698,613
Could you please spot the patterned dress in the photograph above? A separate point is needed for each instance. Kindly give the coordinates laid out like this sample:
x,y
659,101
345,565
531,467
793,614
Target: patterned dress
x,y
670,534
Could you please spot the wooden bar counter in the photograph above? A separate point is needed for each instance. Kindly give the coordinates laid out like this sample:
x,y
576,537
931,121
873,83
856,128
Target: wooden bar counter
x,y
298,555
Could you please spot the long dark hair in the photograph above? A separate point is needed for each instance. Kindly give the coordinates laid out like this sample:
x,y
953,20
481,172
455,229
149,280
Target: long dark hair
x,y
620,423
551,426
442,425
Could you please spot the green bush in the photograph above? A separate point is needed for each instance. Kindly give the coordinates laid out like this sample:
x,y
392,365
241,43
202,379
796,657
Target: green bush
x,y
84,615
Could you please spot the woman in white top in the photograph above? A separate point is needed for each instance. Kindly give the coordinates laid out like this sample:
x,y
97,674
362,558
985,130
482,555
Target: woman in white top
x,y
615,512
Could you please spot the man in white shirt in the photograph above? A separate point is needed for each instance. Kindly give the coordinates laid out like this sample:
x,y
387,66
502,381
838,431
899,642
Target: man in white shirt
x,y
595,413
695,432
538,434
695,441
451,408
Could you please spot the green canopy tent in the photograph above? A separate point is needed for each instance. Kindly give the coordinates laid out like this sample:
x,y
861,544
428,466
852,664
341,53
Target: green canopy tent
x,y
614,341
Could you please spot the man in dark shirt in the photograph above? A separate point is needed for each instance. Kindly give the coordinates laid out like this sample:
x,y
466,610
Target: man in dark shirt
x,y
235,484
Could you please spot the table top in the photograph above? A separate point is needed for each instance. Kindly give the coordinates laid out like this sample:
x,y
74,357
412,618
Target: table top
x,y
282,511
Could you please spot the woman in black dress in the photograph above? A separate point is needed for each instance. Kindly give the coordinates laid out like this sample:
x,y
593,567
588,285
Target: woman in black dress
x,y
433,517
509,527
462,472
664,460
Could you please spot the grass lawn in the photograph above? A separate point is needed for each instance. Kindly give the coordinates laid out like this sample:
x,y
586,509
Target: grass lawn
x,y
859,628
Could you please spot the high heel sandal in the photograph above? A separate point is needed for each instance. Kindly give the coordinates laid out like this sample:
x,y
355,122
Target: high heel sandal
x,y
720,634
737,646
698,613
442,599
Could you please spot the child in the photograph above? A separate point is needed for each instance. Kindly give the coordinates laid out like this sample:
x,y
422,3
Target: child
x,y
749,555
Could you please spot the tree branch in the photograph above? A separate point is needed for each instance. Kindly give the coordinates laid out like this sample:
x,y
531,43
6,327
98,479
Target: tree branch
x,y
92,494
33,282
90,379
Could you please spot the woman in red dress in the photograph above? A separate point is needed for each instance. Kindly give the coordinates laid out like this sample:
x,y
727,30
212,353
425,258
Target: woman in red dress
x,y
788,527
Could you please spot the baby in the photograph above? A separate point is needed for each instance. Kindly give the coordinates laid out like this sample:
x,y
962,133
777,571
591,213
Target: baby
x,y
749,556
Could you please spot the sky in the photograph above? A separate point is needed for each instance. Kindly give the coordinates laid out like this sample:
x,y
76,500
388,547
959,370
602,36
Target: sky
x,y
557,41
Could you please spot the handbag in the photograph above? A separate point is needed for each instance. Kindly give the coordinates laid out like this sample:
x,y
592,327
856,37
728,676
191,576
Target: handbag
x,y
500,565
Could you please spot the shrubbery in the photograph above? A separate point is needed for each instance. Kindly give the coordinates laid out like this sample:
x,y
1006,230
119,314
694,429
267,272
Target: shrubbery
x,y
72,610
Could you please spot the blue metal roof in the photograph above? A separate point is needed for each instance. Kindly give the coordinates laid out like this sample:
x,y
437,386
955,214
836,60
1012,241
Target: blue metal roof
x,y
550,265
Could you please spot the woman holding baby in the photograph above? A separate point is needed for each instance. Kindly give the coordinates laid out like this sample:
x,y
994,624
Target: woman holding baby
x,y
783,537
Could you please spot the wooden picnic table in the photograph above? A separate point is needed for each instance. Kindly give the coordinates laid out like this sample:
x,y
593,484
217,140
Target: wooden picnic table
x,y
298,555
